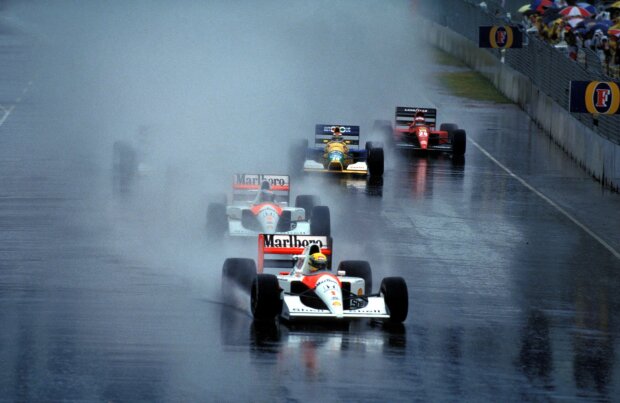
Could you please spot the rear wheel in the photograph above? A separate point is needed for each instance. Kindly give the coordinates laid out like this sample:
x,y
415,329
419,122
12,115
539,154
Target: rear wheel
x,y
307,202
265,299
448,127
358,268
320,224
375,161
459,143
217,221
239,271
396,296
373,144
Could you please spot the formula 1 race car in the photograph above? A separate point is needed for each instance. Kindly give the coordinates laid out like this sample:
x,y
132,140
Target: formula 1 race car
x,y
308,289
336,150
260,204
414,129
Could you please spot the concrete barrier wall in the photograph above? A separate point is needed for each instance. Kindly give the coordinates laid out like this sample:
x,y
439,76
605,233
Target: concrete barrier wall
x,y
597,155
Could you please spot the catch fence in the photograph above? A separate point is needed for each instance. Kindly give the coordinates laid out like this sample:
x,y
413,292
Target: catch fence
x,y
549,68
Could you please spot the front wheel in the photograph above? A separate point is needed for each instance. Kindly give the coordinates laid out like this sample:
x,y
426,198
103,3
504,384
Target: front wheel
x,y
396,296
265,300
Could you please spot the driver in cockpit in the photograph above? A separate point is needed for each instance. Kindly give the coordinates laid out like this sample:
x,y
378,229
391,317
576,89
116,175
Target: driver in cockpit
x,y
337,139
265,194
317,262
418,120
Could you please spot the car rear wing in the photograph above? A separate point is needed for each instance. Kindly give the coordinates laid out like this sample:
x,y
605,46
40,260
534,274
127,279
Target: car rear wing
x,y
406,114
324,134
246,186
278,251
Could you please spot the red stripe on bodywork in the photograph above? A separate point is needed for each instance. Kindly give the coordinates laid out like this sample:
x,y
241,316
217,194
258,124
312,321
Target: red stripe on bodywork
x,y
290,251
256,187
311,280
257,208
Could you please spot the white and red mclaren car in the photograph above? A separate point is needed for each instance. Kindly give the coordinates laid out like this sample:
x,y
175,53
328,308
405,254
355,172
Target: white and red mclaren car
x,y
300,294
260,204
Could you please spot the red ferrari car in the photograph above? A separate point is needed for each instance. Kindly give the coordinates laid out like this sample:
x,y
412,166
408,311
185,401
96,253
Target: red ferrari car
x,y
414,129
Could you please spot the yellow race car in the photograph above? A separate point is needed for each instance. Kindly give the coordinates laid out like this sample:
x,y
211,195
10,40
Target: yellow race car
x,y
336,150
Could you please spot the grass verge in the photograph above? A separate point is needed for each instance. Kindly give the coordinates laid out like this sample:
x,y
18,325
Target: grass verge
x,y
472,85
446,59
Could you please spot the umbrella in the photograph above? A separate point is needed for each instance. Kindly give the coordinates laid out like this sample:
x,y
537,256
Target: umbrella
x,y
524,8
583,25
574,11
592,25
541,5
614,31
588,7
573,22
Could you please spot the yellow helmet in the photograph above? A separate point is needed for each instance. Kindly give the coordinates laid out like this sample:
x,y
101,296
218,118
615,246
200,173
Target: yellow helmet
x,y
317,261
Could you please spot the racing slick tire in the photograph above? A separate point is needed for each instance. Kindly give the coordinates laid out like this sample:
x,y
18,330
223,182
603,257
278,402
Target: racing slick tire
x,y
459,142
358,268
448,127
307,202
373,144
265,298
217,222
320,224
239,271
375,161
396,296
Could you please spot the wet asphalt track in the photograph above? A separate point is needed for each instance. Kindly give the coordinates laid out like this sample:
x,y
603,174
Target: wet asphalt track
x,y
512,279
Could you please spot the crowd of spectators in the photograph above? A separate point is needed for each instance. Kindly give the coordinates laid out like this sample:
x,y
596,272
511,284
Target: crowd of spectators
x,y
574,26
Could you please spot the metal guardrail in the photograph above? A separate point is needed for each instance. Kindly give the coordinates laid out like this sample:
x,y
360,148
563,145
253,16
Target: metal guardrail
x,y
548,67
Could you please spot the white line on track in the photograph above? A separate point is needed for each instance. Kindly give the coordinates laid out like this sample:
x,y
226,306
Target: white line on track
x,y
548,200
7,111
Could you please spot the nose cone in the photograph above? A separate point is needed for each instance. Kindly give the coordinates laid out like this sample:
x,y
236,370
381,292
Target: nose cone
x,y
268,219
328,289
336,307
336,159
